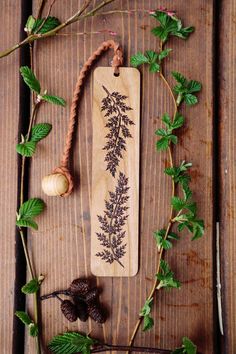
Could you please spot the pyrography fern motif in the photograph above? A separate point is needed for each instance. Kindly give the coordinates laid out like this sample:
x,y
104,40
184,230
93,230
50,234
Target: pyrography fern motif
x,y
112,223
118,124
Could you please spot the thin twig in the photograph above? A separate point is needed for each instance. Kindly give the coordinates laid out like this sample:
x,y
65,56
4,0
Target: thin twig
x,y
120,348
218,281
76,17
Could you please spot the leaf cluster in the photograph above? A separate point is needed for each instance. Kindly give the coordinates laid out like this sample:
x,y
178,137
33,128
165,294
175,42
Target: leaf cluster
x,y
41,25
151,58
145,312
71,343
33,83
166,134
28,211
185,89
28,322
166,277
163,240
170,26
188,347
28,147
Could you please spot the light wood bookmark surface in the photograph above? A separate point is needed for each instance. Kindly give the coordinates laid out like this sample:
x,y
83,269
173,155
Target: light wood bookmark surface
x,y
115,172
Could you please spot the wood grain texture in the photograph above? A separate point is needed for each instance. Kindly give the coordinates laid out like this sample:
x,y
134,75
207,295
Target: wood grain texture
x,y
115,253
227,131
9,118
61,247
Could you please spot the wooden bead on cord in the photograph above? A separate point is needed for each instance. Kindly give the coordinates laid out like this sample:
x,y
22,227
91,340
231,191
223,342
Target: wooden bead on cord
x,y
60,182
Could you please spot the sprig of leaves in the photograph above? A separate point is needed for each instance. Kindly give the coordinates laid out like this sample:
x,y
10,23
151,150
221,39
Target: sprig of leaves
x,y
151,58
28,211
170,26
71,342
166,277
28,147
188,347
28,322
145,312
41,25
33,83
185,89
167,135
164,242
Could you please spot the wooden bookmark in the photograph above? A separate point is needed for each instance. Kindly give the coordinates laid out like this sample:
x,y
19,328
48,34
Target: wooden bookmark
x,y
115,172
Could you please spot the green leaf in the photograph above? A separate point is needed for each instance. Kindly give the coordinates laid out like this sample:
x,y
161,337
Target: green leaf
x,y
173,138
138,59
154,68
167,120
166,277
27,223
146,310
31,208
24,317
178,121
178,203
162,144
164,54
187,347
30,79
33,330
173,235
194,86
161,132
179,77
198,229
70,343
49,24
31,287
151,56
40,131
54,99
170,26
26,149
148,323
190,99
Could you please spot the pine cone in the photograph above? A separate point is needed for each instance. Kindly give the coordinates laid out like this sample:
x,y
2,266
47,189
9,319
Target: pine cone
x,y
96,313
69,310
82,309
79,286
91,295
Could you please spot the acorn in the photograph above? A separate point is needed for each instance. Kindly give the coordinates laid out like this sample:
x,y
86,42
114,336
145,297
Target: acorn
x,y
82,309
69,310
96,313
79,286
55,184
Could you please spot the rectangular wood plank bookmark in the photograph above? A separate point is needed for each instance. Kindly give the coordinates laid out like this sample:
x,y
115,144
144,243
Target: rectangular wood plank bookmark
x,y
115,172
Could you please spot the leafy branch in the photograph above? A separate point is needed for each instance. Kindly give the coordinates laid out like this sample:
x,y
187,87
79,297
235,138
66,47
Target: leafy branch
x,y
38,29
182,210
29,209
74,342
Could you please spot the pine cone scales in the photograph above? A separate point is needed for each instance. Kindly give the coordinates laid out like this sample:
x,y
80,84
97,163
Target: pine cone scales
x,y
69,310
79,286
95,312
92,295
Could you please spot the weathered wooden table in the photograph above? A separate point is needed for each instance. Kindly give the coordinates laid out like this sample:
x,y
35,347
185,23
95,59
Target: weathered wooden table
x,y
61,247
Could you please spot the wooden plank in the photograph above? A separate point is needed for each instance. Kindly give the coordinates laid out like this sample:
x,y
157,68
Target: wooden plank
x,y
61,248
227,131
115,253
9,117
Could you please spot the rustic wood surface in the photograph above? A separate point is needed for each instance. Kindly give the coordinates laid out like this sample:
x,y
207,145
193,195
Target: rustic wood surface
x,y
10,117
128,84
61,247
227,131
